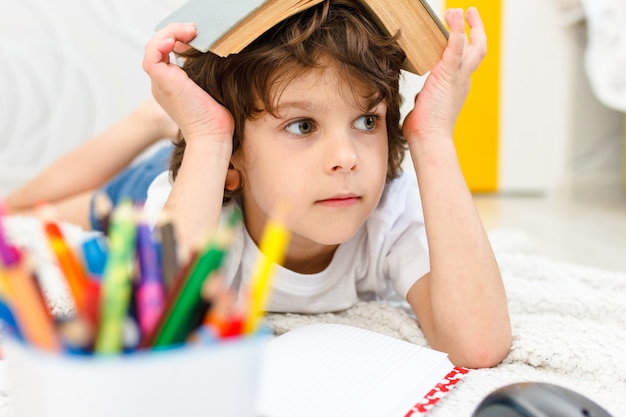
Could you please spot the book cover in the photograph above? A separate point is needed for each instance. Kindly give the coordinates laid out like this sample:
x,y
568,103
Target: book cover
x,y
212,20
226,29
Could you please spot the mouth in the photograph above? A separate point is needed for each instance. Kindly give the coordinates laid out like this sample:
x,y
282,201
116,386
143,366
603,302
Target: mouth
x,y
340,200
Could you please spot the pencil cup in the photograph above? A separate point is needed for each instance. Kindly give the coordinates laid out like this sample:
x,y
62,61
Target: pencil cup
x,y
193,380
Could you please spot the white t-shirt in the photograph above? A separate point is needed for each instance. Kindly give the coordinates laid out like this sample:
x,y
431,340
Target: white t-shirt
x,y
388,254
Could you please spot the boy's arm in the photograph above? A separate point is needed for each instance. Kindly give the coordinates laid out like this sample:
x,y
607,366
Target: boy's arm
x,y
461,303
195,201
95,161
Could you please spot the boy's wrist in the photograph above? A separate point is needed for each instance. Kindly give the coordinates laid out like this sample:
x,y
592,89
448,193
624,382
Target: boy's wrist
x,y
210,144
156,122
420,139
431,147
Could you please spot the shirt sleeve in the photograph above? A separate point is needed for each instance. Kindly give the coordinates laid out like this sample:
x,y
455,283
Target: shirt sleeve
x,y
407,255
158,193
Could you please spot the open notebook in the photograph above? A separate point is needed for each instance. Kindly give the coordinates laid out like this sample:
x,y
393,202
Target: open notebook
x,y
338,370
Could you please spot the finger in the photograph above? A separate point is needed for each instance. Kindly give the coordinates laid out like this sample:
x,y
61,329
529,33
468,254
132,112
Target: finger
x,y
453,54
477,27
158,48
477,49
156,52
180,47
182,32
165,40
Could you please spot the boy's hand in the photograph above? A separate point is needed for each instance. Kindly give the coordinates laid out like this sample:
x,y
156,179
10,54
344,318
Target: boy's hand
x,y
439,103
194,111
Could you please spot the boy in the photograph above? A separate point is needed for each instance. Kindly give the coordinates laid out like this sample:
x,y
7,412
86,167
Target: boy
x,y
308,116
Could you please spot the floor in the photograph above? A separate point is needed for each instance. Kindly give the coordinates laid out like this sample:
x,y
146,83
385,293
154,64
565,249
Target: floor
x,y
584,230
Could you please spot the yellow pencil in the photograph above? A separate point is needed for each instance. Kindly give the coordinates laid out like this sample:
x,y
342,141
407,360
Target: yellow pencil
x,y
273,247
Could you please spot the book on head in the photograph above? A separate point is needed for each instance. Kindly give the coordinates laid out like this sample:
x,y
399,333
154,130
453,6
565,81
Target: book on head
x,y
227,28
339,370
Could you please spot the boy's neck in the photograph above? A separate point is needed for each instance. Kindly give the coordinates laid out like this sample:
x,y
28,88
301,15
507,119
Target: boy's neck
x,y
310,263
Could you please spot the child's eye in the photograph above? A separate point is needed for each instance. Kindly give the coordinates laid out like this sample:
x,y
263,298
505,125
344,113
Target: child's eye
x,y
366,122
300,127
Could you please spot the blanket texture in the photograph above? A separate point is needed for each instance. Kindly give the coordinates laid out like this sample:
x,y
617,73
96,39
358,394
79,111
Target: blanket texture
x,y
569,322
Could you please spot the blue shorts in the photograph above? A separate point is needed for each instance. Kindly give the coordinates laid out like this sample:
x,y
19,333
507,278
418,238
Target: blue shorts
x,y
133,182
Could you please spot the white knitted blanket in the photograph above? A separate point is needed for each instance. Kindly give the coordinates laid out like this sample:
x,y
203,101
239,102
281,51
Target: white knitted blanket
x,y
569,322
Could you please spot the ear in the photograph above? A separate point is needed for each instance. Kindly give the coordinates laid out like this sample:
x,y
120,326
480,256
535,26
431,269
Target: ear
x,y
233,178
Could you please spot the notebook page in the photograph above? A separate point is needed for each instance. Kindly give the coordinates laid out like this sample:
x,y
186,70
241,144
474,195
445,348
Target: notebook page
x,y
430,381
330,369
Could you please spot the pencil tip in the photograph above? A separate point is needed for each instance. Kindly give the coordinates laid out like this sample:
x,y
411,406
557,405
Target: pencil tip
x,y
46,212
102,204
165,217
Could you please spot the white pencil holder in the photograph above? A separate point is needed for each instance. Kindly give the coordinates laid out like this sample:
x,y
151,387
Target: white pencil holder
x,y
217,379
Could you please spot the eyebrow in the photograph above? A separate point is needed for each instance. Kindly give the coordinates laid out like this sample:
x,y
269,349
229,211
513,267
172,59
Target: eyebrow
x,y
306,105
303,105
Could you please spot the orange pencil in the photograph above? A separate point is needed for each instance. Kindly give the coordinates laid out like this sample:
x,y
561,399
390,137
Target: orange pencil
x,y
220,301
71,267
30,311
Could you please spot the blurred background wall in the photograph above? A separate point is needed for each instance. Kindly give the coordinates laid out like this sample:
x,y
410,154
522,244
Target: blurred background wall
x,y
532,124
70,68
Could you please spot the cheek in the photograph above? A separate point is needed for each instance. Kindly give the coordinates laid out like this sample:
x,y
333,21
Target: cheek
x,y
378,156
270,180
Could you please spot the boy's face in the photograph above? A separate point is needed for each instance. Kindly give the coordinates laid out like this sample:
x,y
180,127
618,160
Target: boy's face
x,y
323,157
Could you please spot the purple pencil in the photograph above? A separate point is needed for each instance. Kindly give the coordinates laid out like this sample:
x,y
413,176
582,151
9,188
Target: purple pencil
x,y
150,293
8,255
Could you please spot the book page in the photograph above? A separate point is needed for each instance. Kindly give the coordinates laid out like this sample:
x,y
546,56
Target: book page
x,y
330,369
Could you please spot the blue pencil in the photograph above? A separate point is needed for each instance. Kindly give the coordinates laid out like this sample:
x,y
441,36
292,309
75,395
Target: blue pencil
x,y
10,324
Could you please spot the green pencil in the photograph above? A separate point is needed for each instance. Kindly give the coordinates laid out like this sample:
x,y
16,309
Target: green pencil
x,y
116,280
180,319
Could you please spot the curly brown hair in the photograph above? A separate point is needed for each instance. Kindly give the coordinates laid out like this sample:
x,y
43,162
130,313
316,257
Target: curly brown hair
x,y
339,32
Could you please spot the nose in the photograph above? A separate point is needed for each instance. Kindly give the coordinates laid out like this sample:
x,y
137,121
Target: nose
x,y
341,153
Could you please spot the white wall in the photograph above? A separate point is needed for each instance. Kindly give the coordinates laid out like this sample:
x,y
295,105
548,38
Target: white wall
x,y
553,127
537,76
555,136
70,68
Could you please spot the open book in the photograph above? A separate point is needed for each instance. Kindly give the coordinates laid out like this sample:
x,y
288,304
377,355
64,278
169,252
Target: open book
x,y
338,370
226,28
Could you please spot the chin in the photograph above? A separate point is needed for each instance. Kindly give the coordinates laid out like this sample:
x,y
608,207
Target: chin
x,y
335,236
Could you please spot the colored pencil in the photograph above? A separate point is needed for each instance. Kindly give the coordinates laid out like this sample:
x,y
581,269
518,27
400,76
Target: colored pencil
x,y
178,323
72,269
148,340
7,252
31,313
102,207
273,247
169,250
150,291
116,282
